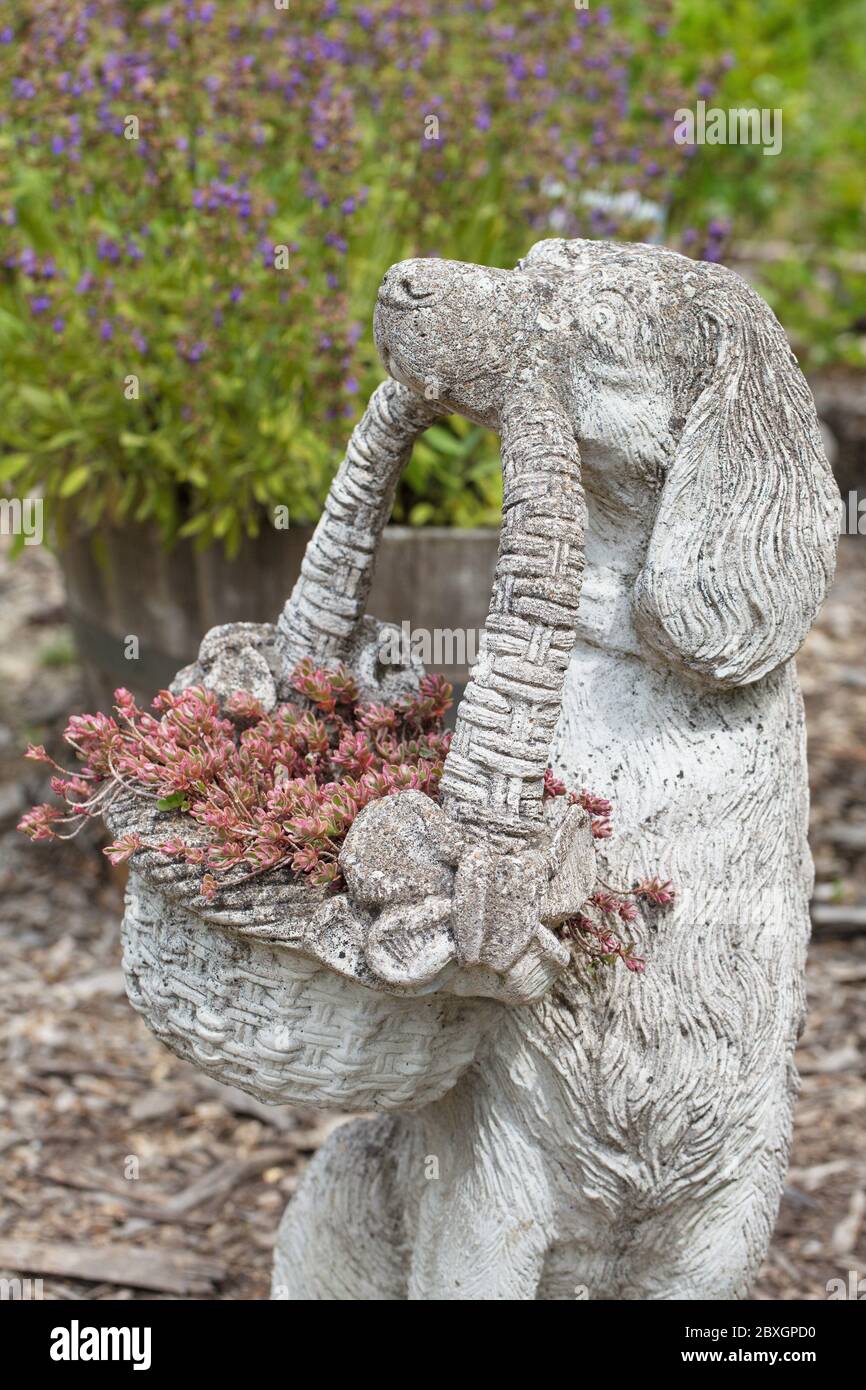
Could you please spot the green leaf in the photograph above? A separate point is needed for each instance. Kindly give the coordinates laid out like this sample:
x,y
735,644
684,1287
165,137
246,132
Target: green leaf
x,y
177,801
40,402
12,464
62,440
133,441
442,440
75,480
195,525
421,514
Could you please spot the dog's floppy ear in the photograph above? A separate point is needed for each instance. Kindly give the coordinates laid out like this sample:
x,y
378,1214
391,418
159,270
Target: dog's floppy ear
x,y
744,543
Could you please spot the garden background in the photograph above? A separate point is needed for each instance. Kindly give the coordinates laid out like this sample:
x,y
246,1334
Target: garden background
x,y
200,199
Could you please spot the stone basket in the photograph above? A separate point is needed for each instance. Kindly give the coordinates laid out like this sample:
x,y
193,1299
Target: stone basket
x,y
284,1027
362,999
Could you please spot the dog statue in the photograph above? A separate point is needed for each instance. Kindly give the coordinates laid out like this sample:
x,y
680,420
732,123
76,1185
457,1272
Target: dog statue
x,y
669,534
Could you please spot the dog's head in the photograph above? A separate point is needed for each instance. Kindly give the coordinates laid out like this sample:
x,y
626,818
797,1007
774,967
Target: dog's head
x,y
443,327
683,367
689,358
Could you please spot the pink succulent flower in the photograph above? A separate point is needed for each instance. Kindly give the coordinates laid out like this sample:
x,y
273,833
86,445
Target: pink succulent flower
x,y
123,849
656,891
208,888
601,829
38,824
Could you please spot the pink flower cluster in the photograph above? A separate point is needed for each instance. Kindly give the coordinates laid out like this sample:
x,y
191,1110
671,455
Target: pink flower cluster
x,y
280,790
600,940
596,807
595,931
270,790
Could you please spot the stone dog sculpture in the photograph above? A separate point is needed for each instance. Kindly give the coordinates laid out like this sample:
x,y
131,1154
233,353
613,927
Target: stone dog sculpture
x,y
630,1142
669,525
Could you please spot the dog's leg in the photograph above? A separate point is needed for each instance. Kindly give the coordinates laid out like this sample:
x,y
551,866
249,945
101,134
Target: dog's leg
x,y
482,1220
710,1244
342,1236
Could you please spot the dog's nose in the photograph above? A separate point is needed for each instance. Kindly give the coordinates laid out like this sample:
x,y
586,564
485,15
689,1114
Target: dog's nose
x,y
408,285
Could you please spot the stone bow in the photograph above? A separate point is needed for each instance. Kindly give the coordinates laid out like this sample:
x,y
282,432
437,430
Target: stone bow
x,y
435,895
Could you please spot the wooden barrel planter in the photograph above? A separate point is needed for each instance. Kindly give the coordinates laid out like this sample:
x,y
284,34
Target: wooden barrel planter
x,y
122,584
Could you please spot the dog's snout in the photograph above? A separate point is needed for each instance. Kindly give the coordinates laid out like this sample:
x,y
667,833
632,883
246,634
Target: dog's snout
x,y
413,291
405,286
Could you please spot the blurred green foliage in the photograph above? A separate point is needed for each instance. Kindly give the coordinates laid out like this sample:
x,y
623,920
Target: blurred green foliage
x,y
304,129
797,220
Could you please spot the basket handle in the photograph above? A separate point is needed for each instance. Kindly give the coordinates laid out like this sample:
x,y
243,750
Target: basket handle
x,y
330,596
494,771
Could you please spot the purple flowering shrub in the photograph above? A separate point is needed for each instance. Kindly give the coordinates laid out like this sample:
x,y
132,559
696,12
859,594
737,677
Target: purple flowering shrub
x,y
197,201
280,790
